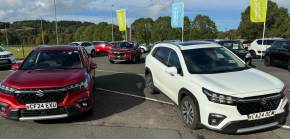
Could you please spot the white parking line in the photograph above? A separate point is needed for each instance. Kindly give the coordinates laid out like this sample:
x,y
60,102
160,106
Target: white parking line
x,y
110,71
284,126
131,95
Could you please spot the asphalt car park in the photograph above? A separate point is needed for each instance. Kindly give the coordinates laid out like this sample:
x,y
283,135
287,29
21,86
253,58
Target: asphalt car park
x,y
123,109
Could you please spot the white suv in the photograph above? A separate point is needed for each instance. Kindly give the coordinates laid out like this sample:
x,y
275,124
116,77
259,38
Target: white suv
x,y
257,49
214,88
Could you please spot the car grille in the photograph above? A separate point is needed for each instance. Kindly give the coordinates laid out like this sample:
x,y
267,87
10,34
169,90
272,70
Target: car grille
x,y
258,104
29,113
118,54
3,56
27,96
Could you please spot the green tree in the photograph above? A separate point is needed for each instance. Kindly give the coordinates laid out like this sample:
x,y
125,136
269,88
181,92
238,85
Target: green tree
x,y
203,28
162,30
276,24
142,28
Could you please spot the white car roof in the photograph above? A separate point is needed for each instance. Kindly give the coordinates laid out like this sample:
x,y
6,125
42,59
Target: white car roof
x,y
194,45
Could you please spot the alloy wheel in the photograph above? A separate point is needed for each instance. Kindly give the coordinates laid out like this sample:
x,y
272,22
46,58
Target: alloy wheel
x,y
187,112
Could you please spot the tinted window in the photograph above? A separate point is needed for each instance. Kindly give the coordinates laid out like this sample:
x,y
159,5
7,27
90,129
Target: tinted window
x,y
123,45
174,61
276,45
52,60
285,44
266,42
162,54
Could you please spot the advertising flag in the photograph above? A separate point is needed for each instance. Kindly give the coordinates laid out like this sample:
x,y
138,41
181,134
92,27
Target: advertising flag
x,y
121,18
177,16
258,10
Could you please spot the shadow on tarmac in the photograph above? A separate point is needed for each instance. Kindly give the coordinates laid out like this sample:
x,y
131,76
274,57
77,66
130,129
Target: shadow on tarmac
x,y
107,103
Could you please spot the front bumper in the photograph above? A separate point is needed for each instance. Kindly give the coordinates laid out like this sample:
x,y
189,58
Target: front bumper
x,y
71,106
237,123
24,115
5,62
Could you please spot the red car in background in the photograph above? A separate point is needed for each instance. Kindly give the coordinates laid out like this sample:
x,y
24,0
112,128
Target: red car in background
x,y
102,47
124,51
53,82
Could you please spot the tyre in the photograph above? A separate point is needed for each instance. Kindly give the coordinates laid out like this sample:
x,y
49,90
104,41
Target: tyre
x,y
134,60
267,61
189,112
149,84
253,53
112,62
289,65
143,50
93,53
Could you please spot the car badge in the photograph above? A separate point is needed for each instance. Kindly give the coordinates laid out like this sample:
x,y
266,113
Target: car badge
x,y
263,101
39,93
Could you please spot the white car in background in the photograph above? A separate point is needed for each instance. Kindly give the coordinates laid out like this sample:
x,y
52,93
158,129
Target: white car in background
x,y
257,49
145,48
6,58
214,88
89,47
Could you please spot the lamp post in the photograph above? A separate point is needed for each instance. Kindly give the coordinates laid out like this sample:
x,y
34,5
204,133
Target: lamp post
x,y
42,36
112,22
6,35
56,30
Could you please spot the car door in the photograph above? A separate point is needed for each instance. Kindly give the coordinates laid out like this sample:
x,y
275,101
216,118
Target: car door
x,y
275,51
159,66
173,82
284,52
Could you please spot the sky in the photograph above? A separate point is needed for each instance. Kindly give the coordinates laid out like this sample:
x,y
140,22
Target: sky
x,y
225,13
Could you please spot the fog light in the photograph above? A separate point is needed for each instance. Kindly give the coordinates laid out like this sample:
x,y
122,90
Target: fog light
x,y
215,119
84,102
3,107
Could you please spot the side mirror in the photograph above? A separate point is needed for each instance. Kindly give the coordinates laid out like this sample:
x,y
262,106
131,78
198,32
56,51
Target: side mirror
x,y
93,66
172,71
16,66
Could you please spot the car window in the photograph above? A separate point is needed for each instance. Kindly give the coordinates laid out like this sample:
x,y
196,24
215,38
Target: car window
x,y
285,44
277,44
174,61
266,42
162,55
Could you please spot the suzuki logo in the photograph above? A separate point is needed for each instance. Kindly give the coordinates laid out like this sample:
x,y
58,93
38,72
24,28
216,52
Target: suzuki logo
x,y
263,101
39,93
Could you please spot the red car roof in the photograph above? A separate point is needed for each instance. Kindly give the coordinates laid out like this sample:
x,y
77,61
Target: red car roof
x,y
57,47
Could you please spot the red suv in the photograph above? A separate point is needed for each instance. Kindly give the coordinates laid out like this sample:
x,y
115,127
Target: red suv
x,y
124,51
102,47
53,82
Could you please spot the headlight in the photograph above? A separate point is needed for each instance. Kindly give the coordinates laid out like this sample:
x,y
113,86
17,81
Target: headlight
x,y
284,91
6,89
79,86
218,98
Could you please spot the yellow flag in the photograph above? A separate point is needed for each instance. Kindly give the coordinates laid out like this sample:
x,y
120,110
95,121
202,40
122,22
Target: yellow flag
x,y
258,11
121,18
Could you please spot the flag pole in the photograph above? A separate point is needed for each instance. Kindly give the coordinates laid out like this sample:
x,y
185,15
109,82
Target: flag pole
x,y
182,33
264,30
263,39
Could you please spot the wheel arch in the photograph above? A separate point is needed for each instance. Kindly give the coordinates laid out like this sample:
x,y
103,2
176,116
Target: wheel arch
x,y
183,92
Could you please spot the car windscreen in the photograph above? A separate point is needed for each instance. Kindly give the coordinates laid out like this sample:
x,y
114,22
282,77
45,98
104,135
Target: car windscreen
x,y
56,59
123,45
211,60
